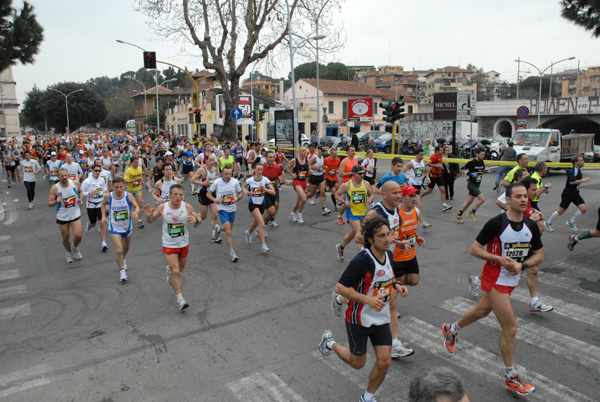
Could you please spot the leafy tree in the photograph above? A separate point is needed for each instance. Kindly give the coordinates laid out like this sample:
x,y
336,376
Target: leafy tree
x,y
20,37
585,13
85,107
529,88
32,111
308,70
481,79
336,71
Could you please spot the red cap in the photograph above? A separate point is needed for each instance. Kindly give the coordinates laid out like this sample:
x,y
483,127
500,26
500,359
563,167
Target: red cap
x,y
408,190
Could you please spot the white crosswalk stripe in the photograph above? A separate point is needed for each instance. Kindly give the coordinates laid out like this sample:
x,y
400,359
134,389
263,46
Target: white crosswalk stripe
x,y
558,344
261,387
567,282
14,290
9,274
7,259
10,313
18,376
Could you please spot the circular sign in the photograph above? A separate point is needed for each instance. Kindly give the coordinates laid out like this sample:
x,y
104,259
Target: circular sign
x,y
360,108
521,127
523,111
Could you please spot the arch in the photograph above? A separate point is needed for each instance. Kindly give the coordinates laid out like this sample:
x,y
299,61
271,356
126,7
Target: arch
x,y
581,124
504,128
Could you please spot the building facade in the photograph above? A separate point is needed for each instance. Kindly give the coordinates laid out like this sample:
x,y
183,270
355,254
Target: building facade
x,y
9,108
448,79
587,83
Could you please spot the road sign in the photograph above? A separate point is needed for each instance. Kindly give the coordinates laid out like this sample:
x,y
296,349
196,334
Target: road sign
x,y
236,113
521,121
521,127
523,111
463,105
360,109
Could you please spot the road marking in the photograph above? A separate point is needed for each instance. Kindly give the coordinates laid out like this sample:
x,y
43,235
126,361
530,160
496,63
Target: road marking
x,y
5,238
577,271
554,342
7,259
15,290
24,386
259,387
10,313
565,282
562,308
19,375
482,362
9,274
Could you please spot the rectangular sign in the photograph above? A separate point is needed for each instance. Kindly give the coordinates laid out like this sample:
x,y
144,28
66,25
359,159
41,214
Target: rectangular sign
x,y
463,105
245,104
444,106
522,121
284,129
360,109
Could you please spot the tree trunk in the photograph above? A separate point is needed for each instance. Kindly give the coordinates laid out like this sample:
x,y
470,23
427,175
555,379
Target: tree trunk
x,y
231,98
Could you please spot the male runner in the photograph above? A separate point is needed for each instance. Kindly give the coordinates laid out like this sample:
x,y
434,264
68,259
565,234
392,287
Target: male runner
x,y
417,174
395,175
120,206
74,170
134,178
31,167
186,158
65,196
345,172
316,179
475,169
238,154
228,193
355,194
513,243
522,162
95,188
161,191
273,172
52,167
204,176
332,165
540,171
435,164
298,169
367,282
573,240
570,195
176,215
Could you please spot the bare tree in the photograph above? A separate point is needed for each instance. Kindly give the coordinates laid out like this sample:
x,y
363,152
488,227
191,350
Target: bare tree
x,y
232,34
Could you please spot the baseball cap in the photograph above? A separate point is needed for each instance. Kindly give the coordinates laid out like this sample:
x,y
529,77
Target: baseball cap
x,y
53,153
357,169
408,190
168,153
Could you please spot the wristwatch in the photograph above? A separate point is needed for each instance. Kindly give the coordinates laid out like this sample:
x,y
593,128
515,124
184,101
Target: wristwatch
x,y
525,265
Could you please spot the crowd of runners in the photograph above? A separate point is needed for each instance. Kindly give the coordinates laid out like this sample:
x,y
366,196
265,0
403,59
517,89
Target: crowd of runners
x,y
125,180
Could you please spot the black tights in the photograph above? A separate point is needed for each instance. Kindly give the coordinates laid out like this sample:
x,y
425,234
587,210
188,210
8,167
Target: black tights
x,y
30,185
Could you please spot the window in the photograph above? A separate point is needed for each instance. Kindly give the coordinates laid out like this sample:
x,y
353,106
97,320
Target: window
x,y
331,107
344,110
374,107
410,109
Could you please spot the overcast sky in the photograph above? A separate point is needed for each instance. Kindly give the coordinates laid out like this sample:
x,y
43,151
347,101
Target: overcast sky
x,y
79,38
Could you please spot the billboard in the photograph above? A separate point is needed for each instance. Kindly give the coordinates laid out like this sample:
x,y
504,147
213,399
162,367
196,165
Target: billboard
x,y
360,109
284,128
444,106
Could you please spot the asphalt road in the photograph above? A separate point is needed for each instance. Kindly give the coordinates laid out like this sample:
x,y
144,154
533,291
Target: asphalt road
x,y
73,332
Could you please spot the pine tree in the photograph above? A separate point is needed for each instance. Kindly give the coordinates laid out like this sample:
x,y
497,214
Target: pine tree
x,y
20,34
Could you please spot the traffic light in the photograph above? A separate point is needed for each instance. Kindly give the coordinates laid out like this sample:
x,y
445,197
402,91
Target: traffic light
x,y
197,116
261,114
398,109
149,59
253,115
393,110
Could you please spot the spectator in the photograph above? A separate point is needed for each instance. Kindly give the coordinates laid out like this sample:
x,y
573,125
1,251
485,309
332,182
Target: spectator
x,y
314,138
507,154
437,385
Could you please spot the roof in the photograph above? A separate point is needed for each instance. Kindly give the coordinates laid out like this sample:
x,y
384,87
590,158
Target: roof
x,y
152,91
390,94
203,74
450,69
336,87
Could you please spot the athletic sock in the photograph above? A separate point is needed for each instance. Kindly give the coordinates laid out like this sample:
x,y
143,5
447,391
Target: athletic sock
x,y
367,396
473,211
329,344
334,200
179,297
552,217
535,300
337,300
454,328
395,342
576,215
583,236
476,280
460,212
510,371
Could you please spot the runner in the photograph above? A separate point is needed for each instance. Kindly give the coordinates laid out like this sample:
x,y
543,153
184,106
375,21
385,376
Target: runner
x,y
51,167
370,165
238,155
298,169
176,215
157,171
417,174
74,170
95,188
573,240
256,188
188,167
204,176
435,164
522,162
345,172
540,170
513,243
281,156
31,167
476,169
226,159
120,206
160,192
65,196
570,194
316,180
10,165
104,174
367,282
332,165
133,178
274,173
228,193
395,175
356,195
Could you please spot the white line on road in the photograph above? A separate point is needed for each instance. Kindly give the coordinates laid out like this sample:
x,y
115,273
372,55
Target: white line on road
x,y
24,386
577,271
565,282
9,274
260,387
10,313
5,238
19,375
482,362
15,290
554,342
7,259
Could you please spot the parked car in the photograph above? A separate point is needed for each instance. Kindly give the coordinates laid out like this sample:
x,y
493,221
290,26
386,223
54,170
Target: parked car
x,y
384,144
304,141
330,142
363,138
593,156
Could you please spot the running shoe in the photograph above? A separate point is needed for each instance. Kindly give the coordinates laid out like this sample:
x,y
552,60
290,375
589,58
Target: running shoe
x,y
88,232
104,247
517,385
248,237
217,229
194,192
273,224
446,208
325,351
571,225
182,304
426,225
473,287
340,252
362,399
264,248
336,307
311,201
69,257
234,257
300,220
471,215
326,211
77,254
340,220
9,186
123,276
140,224
218,241
293,217
401,351
449,339
496,186
168,269
539,307
572,242
548,226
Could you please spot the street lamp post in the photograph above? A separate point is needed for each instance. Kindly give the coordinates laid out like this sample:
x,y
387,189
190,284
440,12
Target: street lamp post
x,y
157,103
317,37
66,103
541,72
145,102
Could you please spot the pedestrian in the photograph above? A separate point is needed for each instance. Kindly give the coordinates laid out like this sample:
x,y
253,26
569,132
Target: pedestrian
x,y
134,179
451,171
540,171
435,164
298,168
507,154
256,188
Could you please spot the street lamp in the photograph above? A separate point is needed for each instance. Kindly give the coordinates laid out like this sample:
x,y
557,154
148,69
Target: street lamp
x,y
145,102
66,103
541,76
157,102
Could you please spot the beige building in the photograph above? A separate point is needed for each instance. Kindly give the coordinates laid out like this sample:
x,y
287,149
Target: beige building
x,y
448,79
589,84
9,108
267,87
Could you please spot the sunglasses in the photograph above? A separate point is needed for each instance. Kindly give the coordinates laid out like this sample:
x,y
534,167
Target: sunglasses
x,y
359,174
96,170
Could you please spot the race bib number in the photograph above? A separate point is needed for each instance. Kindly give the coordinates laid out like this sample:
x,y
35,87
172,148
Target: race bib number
x,y
54,173
419,172
478,177
72,177
121,216
70,202
176,229
332,172
302,175
517,251
28,169
189,160
96,193
411,239
257,192
358,197
383,290
137,182
228,199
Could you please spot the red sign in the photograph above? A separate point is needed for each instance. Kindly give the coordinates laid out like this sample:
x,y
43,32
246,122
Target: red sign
x,y
190,111
523,112
521,127
360,109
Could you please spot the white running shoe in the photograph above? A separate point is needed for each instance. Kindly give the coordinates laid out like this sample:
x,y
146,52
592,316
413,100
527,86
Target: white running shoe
x,y
123,276
325,337
548,226
248,237
336,307
264,248
104,247
300,220
311,201
473,287
572,226
234,257
182,304
69,257
293,217
400,350
426,225
88,232
326,211
77,254
273,224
